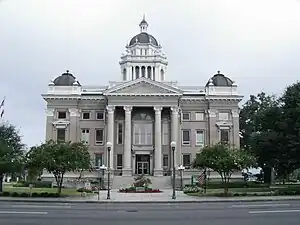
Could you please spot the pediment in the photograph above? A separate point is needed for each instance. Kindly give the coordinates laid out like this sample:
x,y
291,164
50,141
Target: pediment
x,y
143,87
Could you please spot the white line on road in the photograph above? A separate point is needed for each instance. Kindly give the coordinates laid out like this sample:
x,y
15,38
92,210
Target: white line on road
x,y
16,212
261,205
275,211
42,206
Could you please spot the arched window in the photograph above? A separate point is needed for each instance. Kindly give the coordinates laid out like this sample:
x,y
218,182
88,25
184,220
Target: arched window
x,y
149,72
162,75
143,71
124,75
142,128
137,72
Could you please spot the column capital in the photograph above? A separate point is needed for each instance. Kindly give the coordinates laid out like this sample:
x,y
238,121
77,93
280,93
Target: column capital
x,y
49,111
157,109
175,109
127,108
74,112
235,113
110,108
212,113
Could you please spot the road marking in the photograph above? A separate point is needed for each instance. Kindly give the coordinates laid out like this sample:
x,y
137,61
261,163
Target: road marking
x,y
261,205
275,211
16,212
42,206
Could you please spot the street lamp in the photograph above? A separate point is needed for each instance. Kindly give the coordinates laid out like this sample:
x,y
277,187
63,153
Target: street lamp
x,y
101,168
108,145
181,168
173,146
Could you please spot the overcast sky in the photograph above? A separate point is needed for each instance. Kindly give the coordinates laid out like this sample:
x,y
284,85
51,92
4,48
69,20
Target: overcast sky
x,y
254,42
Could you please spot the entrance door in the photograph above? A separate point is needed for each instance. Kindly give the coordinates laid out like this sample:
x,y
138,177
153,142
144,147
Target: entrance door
x,y
142,164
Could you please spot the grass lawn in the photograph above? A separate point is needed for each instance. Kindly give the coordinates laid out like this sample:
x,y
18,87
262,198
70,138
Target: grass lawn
x,y
64,191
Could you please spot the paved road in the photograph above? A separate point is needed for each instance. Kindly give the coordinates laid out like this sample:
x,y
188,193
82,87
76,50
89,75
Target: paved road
x,y
255,213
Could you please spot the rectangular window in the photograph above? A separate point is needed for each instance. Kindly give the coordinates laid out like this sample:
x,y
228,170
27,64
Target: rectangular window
x,y
120,133
199,116
61,115
99,115
98,159
165,134
200,138
223,116
224,136
61,135
99,136
86,115
186,160
186,140
142,133
85,136
165,160
186,116
119,161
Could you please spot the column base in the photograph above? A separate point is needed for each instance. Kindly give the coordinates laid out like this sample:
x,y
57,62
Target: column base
x,y
158,173
126,172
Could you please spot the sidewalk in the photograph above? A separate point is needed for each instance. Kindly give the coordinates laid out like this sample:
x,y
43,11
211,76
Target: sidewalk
x,y
164,197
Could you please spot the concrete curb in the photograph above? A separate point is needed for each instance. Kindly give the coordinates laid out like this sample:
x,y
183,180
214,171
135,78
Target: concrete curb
x,y
290,198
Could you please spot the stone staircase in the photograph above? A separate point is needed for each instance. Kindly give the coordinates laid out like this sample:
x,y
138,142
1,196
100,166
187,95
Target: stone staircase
x,y
157,182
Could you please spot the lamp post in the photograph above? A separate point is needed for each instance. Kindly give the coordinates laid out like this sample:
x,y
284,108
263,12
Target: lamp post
x,y
99,183
108,145
173,146
101,168
181,168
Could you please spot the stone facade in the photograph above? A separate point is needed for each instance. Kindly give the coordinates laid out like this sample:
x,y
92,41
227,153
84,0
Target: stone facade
x,y
142,114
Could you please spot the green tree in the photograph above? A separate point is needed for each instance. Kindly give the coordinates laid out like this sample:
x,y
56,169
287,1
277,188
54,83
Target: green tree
x,y
223,159
58,158
11,151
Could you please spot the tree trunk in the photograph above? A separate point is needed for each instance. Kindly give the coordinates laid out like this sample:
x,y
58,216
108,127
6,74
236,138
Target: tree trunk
x,y
60,184
1,182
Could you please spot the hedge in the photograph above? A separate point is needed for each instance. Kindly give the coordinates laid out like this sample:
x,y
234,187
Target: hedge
x,y
24,194
36,184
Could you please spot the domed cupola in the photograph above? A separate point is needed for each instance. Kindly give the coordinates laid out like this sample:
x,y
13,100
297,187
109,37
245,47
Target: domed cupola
x,y
220,80
66,79
143,37
143,57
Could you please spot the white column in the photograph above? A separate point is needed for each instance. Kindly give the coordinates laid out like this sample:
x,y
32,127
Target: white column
x,y
127,170
110,132
158,166
174,131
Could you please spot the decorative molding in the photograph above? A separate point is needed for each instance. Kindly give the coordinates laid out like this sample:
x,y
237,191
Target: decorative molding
x,y
61,124
158,109
235,113
110,108
127,109
224,125
49,111
74,112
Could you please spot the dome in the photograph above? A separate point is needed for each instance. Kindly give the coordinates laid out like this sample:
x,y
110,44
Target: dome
x,y
220,80
143,38
66,79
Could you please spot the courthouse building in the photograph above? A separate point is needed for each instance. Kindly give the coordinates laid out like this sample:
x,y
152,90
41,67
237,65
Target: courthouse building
x,y
143,112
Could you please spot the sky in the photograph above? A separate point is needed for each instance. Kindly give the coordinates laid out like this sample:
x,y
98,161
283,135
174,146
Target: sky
x,y
254,42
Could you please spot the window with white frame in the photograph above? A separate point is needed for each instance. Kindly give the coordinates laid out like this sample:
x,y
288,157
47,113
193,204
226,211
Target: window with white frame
x,y
223,116
186,138
199,137
186,116
99,136
98,159
119,161
120,133
85,136
224,135
165,133
165,160
86,115
199,116
99,115
61,135
186,160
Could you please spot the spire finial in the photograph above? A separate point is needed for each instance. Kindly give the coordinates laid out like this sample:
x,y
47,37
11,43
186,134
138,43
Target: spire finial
x,y
144,17
218,71
143,24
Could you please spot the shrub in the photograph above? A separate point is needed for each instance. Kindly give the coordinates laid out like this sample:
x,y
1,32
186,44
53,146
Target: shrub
x,y
24,195
134,190
192,189
84,190
34,194
15,194
36,184
5,193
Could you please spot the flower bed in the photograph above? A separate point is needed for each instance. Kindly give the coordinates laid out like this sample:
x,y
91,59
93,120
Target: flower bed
x,y
139,190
